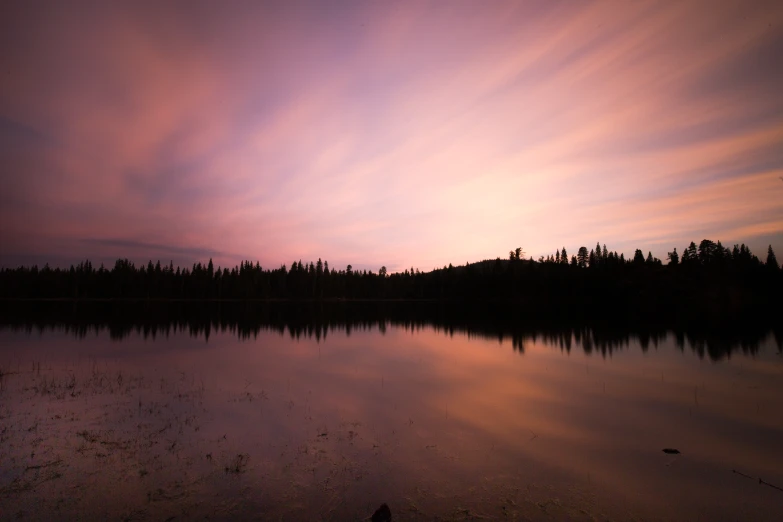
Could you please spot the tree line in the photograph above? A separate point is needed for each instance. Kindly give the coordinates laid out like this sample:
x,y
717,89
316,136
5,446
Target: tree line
x,y
704,275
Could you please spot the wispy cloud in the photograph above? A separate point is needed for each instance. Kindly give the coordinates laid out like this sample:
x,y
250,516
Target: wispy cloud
x,y
404,134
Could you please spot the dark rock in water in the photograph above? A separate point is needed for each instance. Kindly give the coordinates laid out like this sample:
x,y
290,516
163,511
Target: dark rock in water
x,y
671,451
382,514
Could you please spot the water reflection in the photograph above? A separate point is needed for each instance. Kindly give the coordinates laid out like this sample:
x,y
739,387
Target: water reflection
x,y
304,412
318,320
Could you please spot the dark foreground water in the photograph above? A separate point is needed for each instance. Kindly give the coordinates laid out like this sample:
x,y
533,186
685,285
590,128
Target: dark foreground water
x,y
328,423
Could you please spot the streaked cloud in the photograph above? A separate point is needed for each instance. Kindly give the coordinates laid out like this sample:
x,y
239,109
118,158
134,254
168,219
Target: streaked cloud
x,y
402,134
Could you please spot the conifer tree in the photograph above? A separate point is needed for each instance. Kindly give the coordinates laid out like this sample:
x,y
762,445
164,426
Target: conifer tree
x,y
772,261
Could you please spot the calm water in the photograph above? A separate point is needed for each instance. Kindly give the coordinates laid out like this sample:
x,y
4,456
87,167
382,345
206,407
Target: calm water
x,y
439,425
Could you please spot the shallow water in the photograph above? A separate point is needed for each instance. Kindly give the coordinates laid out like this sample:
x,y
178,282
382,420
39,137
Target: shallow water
x,y
439,425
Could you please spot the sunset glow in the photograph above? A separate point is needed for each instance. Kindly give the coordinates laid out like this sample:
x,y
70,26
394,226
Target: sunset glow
x,y
398,134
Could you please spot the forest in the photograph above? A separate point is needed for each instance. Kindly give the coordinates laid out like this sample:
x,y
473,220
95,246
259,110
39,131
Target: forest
x,y
707,277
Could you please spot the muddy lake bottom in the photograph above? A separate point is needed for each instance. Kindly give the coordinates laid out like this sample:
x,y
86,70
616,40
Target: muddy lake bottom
x,y
439,427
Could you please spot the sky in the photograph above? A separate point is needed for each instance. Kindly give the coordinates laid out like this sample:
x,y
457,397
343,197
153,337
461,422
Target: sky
x,y
403,134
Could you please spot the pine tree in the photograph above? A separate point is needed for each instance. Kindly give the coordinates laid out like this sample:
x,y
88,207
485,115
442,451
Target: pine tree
x,y
772,261
582,256
638,257
692,253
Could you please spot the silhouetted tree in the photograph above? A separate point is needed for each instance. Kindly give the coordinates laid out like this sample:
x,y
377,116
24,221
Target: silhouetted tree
x,y
692,255
706,251
638,257
582,257
772,261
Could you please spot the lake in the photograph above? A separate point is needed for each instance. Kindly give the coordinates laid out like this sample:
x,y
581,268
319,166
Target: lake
x,y
327,420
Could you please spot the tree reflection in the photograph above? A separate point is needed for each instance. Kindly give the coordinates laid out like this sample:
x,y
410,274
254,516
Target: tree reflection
x,y
313,320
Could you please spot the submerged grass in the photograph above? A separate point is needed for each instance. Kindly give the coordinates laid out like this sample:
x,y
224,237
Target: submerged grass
x,y
238,464
114,444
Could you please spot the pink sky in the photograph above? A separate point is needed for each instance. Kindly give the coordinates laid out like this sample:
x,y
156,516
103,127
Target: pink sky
x,y
387,133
